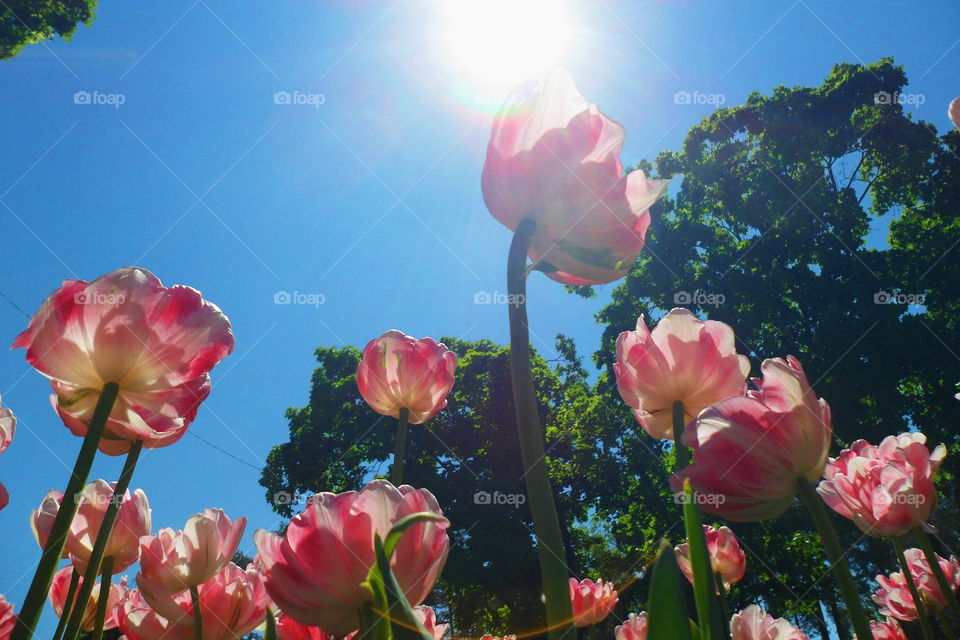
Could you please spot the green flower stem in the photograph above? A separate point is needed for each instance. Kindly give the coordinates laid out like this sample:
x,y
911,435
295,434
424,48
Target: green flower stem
x,y
67,604
705,595
908,577
724,603
197,617
841,570
550,549
271,633
400,447
103,537
927,546
679,422
53,550
106,576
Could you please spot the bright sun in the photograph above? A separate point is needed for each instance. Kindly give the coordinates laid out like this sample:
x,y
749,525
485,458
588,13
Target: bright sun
x,y
502,42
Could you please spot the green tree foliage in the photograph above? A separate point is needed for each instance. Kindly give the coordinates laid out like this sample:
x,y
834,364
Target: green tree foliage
x,y
467,453
781,210
798,208
24,22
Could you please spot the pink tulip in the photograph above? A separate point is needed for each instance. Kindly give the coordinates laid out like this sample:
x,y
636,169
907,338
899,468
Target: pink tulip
x,y
8,428
750,452
886,490
398,371
555,158
58,597
428,619
633,628
753,623
290,629
683,359
232,603
8,619
41,519
157,343
888,630
726,556
133,521
954,112
138,621
315,572
172,561
592,601
893,597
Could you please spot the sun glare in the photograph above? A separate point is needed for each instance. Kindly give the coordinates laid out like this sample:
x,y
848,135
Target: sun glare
x,y
502,42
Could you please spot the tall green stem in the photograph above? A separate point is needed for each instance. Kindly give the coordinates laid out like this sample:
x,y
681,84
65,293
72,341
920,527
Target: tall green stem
x,y
841,570
400,447
106,576
724,603
197,617
911,585
67,604
271,633
550,547
53,550
103,537
705,598
680,450
927,546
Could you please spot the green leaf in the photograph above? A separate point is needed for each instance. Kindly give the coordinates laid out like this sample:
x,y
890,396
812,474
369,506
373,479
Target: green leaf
x,y
666,605
400,527
403,622
271,633
373,621
705,595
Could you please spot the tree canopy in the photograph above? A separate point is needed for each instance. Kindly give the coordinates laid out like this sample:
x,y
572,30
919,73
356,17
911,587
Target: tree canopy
x,y
24,22
816,221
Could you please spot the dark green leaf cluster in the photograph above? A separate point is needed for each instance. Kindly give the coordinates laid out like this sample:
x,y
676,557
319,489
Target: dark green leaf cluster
x,y
24,22
800,210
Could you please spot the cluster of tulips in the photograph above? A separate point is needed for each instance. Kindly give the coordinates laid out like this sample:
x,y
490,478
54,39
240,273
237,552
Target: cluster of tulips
x,y
129,361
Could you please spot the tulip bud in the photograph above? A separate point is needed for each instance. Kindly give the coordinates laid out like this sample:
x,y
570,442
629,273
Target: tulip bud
x,y
173,561
682,360
592,601
398,372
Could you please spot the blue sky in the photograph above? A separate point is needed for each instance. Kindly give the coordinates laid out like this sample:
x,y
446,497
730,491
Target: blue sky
x,y
367,196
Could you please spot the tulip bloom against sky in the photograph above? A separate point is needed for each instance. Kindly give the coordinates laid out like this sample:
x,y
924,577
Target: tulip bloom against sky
x,y
303,197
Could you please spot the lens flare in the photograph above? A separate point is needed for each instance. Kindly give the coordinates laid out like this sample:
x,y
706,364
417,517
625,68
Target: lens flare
x,y
499,43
